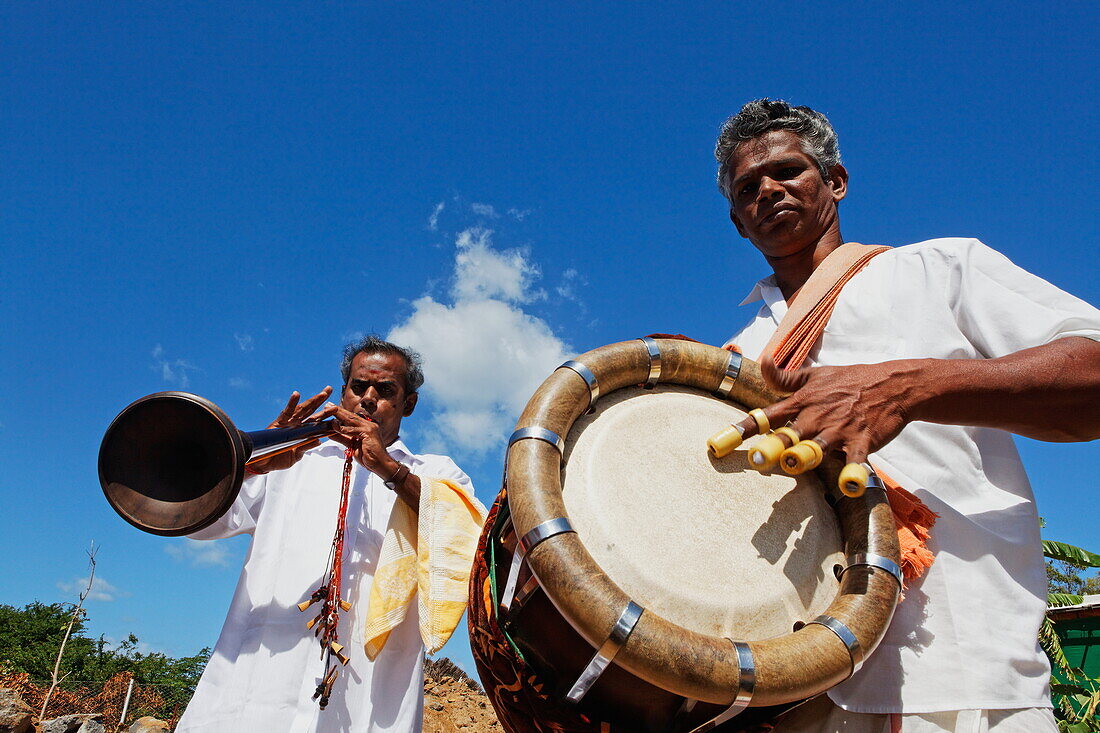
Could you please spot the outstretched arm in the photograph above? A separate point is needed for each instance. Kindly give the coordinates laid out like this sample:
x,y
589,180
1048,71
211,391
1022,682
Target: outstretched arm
x,y
1049,392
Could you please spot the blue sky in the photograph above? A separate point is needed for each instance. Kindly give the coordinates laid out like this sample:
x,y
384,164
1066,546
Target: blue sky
x,y
215,197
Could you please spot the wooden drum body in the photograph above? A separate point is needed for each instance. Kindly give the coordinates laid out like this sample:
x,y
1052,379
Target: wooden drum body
x,y
632,580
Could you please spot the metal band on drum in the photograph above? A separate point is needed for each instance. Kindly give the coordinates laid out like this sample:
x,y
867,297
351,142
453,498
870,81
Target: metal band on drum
x,y
875,561
589,379
620,632
855,651
541,533
733,371
654,361
745,687
538,433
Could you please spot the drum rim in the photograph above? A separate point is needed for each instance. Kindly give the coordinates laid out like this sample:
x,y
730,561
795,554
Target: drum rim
x,y
684,662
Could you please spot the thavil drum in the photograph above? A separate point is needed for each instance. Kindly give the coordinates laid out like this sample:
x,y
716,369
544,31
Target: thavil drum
x,y
629,580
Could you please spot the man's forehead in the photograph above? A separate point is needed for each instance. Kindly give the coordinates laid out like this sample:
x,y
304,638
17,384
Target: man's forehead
x,y
760,150
378,367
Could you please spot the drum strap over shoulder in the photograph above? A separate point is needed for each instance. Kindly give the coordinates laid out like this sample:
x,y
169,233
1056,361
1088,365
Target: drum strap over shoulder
x,y
813,304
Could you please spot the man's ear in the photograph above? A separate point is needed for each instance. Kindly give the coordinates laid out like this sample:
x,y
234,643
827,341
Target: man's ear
x,y
838,182
737,223
410,403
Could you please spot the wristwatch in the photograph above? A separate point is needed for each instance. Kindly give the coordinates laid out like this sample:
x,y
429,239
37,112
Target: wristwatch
x,y
397,478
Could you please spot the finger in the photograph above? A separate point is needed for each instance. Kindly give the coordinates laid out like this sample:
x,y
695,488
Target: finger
x,y
782,379
342,439
313,402
347,417
325,412
290,405
829,440
856,451
782,412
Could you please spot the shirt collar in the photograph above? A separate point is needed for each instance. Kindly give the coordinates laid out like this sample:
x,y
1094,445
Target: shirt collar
x,y
767,291
398,448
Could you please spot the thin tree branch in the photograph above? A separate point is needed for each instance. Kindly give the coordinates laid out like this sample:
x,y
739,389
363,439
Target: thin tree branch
x,y
54,681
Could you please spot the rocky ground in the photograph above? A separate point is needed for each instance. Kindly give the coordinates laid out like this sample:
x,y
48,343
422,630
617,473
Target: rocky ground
x,y
454,702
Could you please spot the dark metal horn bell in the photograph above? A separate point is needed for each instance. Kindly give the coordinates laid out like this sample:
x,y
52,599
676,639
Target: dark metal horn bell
x,y
172,463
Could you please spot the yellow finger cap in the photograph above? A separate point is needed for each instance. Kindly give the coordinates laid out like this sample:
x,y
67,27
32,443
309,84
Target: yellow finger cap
x,y
765,454
853,480
762,424
801,457
724,442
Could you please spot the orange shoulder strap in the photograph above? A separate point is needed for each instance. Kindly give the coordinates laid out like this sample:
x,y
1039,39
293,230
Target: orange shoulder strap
x,y
807,316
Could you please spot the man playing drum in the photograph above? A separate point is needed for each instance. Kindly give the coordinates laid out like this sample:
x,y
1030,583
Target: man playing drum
x,y
266,667
933,353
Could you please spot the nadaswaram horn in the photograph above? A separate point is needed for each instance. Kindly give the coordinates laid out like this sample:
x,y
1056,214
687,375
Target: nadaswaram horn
x,y
172,463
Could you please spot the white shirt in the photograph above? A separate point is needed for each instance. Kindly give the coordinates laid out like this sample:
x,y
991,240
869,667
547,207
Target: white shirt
x,y
965,635
266,665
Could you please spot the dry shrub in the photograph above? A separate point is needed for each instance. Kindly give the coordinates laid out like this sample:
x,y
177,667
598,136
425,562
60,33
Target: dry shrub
x,y
76,697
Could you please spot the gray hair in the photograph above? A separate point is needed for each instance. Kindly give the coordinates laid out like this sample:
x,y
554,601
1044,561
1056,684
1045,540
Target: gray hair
x,y
373,344
762,116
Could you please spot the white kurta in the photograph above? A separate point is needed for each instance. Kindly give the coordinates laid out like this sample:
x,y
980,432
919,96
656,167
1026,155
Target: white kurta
x,y
965,635
266,665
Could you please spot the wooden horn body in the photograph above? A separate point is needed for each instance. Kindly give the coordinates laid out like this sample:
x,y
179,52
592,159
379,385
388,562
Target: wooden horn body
x,y
172,463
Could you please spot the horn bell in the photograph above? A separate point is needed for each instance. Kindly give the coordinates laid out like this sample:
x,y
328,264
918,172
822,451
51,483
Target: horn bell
x,y
172,463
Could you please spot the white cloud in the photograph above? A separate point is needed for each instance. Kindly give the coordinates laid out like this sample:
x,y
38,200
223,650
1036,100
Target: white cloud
x,y
173,371
239,383
198,553
244,341
485,273
101,589
484,356
517,214
485,210
433,220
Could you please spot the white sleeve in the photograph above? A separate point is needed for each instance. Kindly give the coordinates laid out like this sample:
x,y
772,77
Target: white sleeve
x,y
1001,308
243,513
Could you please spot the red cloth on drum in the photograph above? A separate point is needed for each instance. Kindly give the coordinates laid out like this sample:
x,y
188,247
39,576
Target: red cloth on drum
x,y
728,347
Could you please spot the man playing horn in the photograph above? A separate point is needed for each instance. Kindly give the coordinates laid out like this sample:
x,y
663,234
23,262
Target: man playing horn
x,y
934,352
266,667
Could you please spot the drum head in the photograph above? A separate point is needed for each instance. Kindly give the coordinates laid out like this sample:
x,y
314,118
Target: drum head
x,y
710,544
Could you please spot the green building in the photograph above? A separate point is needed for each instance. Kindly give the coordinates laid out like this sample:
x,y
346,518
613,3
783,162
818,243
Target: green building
x,y
1079,629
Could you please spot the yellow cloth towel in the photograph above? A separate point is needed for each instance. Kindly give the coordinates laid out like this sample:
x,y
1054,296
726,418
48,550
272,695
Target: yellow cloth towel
x,y
432,554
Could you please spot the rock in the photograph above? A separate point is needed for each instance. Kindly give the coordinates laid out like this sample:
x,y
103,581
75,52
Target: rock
x,y
16,716
148,725
77,723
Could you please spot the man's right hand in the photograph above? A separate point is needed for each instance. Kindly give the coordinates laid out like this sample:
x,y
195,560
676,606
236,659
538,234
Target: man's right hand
x,y
294,414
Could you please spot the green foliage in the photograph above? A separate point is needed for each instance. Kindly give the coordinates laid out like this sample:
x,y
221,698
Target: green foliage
x,y
1070,554
1054,600
30,637
1076,696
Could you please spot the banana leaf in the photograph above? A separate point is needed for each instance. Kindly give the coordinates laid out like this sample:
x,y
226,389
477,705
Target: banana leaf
x,y
1071,554
1055,600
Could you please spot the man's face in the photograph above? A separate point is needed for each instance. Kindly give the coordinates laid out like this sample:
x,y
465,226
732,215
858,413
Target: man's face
x,y
376,389
780,202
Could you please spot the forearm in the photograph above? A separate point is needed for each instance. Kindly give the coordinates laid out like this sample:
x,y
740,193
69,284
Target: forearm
x,y
1049,392
406,484
409,491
